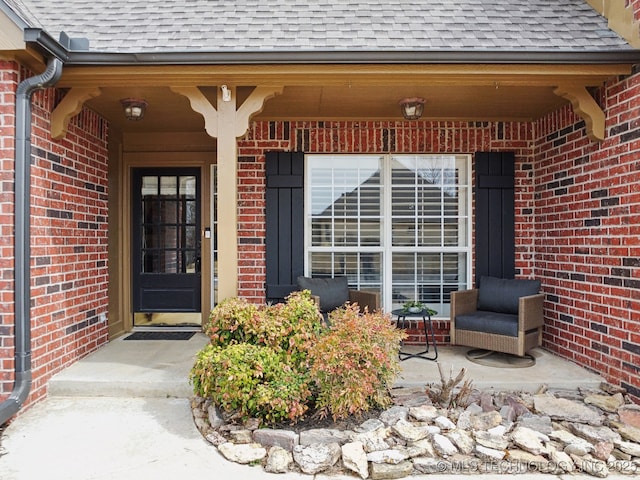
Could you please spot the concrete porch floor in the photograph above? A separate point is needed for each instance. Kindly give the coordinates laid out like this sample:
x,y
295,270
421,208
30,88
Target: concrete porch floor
x,y
123,413
154,368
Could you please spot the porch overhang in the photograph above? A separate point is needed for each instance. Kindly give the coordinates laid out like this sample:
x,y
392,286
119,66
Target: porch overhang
x,y
474,92
471,85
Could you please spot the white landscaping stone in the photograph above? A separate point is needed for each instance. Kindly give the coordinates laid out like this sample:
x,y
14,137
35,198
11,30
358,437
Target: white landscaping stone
x,y
563,409
562,461
408,432
242,453
373,440
391,456
443,445
385,471
631,448
489,454
530,440
354,458
462,440
279,460
317,457
424,413
594,467
490,440
444,423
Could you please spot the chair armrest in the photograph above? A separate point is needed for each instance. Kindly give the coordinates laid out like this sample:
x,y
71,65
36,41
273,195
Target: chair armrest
x,y
530,312
365,299
463,301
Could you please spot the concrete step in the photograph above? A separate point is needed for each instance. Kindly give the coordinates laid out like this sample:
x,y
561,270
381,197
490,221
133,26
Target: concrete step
x,y
155,368
131,368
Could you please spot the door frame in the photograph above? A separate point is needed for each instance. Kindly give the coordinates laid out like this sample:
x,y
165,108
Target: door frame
x,y
131,161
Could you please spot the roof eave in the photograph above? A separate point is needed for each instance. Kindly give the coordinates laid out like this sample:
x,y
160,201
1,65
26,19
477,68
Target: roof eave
x,y
48,46
354,57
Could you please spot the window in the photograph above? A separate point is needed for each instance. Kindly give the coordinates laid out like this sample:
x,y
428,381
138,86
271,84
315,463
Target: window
x,y
398,224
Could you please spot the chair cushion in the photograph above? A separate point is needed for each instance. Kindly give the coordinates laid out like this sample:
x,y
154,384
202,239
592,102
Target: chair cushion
x,y
502,294
333,292
489,322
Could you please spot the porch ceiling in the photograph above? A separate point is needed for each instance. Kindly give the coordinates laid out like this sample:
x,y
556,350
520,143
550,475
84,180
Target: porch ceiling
x,y
168,111
333,92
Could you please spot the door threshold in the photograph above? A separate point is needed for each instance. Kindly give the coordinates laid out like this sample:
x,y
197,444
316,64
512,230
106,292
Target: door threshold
x,y
167,328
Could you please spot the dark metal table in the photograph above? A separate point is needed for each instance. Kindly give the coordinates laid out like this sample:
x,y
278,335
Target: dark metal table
x,y
401,321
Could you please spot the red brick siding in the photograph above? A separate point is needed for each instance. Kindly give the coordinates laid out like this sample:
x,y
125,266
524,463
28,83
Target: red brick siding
x,y
68,244
587,224
9,74
372,137
635,5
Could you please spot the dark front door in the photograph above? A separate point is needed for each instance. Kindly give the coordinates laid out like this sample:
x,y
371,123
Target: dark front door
x,y
166,240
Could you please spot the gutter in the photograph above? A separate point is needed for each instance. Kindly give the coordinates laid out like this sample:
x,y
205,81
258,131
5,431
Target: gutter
x,y
22,237
279,57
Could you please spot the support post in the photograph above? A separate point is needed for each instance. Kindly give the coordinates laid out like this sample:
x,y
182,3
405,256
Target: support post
x,y
226,122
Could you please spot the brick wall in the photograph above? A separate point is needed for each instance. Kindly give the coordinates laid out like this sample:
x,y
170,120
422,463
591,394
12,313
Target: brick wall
x,y
69,241
588,235
373,137
9,74
577,213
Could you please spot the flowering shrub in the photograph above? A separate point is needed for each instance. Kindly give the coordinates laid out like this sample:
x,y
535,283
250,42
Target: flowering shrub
x,y
355,363
252,381
278,361
286,328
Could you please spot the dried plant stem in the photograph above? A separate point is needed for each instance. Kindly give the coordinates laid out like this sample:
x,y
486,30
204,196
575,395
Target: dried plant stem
x,y
444,393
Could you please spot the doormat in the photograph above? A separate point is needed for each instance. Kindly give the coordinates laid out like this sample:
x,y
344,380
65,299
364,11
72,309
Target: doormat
x,y
160,336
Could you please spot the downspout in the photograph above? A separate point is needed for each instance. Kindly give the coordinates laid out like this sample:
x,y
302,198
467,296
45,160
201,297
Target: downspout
x,y
22,261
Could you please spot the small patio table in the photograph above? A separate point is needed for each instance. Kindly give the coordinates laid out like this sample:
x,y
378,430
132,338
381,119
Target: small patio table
x,y
401,322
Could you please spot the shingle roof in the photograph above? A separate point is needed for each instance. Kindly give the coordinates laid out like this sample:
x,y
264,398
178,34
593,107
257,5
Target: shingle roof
x,y
327,25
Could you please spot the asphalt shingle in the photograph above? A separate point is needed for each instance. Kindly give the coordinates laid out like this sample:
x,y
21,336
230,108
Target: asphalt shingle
x,y
325,25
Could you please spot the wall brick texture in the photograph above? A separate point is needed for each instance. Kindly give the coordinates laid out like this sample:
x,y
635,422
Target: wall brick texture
x,y
587,229
577,213
374,137
68,236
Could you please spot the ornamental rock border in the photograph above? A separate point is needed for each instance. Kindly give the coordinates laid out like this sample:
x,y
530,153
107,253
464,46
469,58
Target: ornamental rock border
x,y
554,432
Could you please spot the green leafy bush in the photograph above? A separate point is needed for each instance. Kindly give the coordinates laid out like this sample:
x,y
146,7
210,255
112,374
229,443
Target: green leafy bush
x,y
278,361
355,363
286,328
252,381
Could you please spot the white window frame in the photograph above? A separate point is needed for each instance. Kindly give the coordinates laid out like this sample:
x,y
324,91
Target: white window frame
x,y
386,249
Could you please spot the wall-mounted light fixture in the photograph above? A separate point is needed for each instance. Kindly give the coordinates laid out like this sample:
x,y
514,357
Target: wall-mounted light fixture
x,y
412,108
226,93
134,108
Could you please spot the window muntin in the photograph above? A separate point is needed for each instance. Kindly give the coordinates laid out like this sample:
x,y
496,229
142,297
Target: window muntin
x,y
169,216
395,223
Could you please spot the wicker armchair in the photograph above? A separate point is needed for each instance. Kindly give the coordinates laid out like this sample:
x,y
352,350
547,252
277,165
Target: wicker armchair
x,y
331,293
502,315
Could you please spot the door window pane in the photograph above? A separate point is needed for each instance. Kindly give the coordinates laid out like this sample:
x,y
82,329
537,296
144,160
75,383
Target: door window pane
x,y
168,186
169,224
188,187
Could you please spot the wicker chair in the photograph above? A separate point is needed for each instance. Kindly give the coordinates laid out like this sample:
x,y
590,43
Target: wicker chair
x,y
331,293
502,315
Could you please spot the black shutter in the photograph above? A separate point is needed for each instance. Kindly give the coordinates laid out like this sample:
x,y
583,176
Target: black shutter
x,y
495,214
285,223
